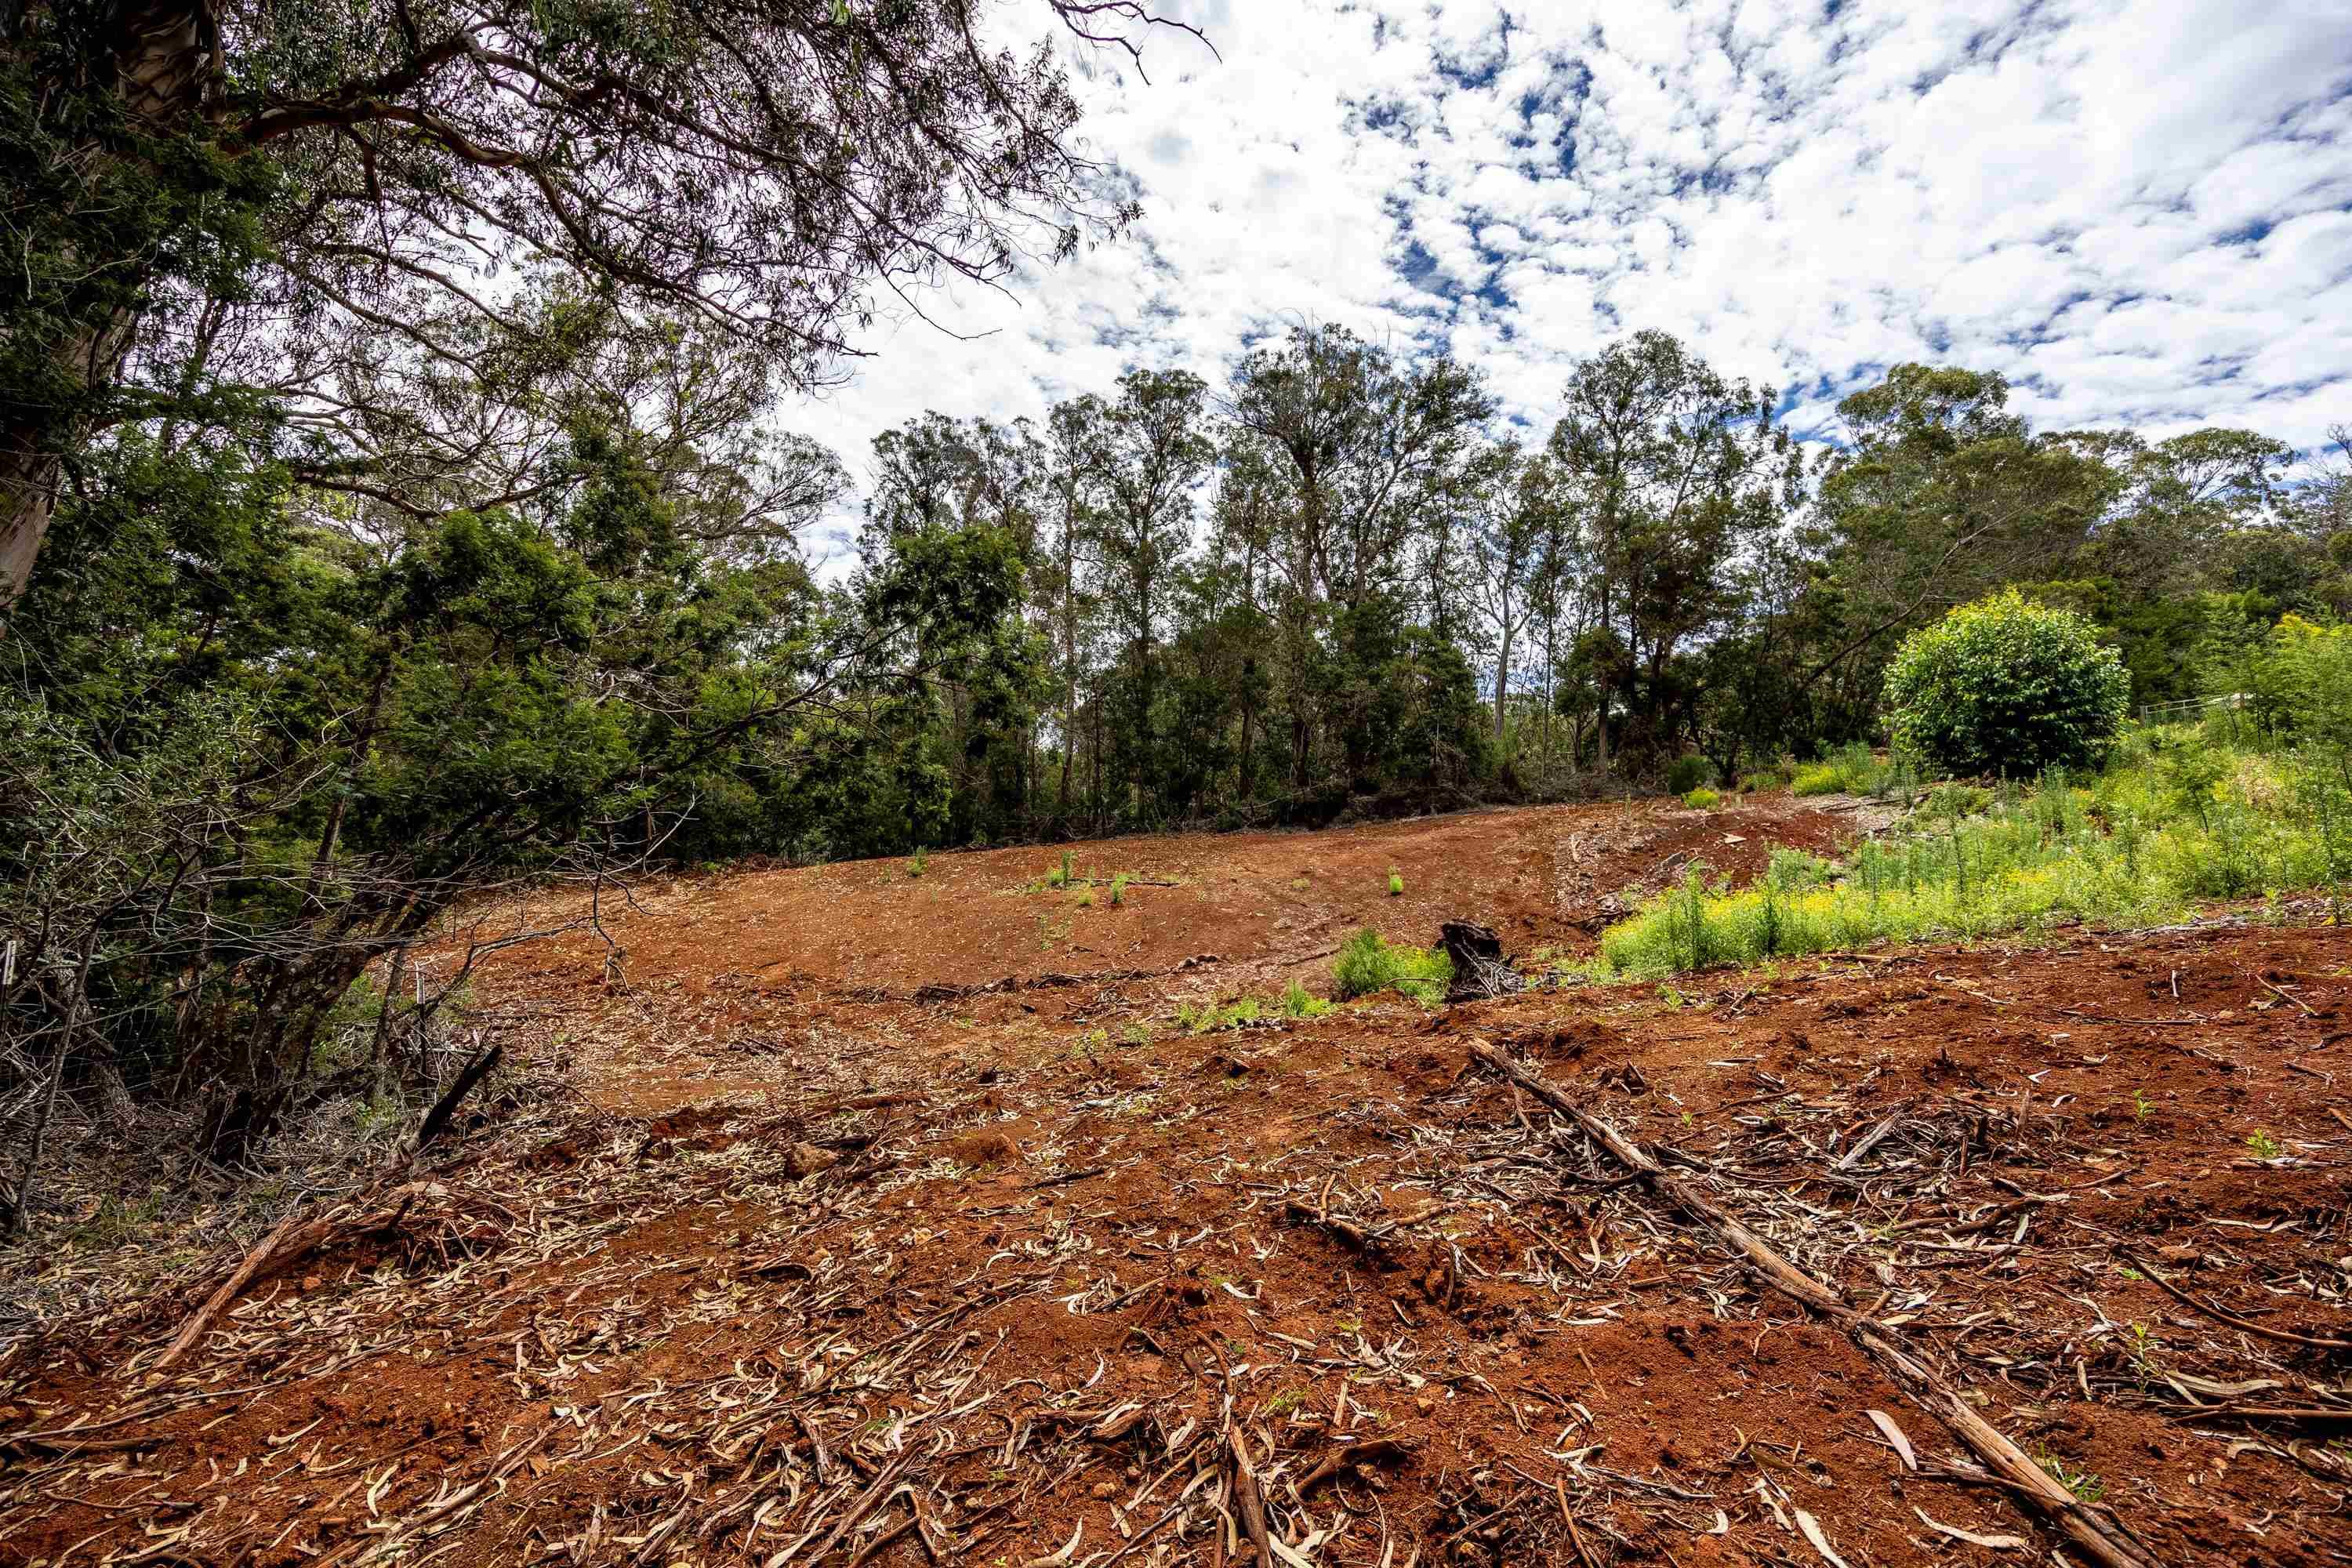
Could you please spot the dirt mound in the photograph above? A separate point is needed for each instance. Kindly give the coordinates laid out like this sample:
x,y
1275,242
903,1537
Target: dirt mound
x,y
1606,869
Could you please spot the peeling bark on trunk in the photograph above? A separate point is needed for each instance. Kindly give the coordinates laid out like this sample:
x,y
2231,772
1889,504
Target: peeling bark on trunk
x,y
32,454
167,57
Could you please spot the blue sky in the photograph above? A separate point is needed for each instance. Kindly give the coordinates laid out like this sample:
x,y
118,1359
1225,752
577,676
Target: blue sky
x,y
2139,213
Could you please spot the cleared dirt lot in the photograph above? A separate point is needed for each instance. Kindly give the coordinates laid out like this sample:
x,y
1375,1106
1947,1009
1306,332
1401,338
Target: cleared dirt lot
x,y
890,1219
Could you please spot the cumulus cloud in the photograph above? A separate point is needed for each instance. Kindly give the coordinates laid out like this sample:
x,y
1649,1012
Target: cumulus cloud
x,y
2141,212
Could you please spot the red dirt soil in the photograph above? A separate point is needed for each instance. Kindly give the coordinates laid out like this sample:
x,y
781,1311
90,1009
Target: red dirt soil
x,y
805,1263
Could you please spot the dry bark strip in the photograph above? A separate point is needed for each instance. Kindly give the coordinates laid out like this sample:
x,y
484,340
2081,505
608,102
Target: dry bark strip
x,y
1250,1500
2103,1540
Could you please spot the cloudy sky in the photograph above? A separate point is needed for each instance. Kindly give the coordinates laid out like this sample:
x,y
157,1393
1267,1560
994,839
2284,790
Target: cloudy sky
x,y
2140,213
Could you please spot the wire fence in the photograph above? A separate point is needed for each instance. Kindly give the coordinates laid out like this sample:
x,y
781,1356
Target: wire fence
x,y
2190,708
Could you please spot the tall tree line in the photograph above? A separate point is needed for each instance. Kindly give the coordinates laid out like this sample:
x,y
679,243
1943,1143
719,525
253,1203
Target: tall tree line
x,y
1331,584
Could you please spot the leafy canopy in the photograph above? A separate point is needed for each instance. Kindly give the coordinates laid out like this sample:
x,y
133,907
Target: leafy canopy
x,y
2006,686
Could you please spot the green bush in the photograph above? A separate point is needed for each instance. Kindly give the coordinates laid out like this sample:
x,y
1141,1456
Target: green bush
x,y
1368,965
1687,772
1396,884
1702,799
918,863
1817,778
2007,686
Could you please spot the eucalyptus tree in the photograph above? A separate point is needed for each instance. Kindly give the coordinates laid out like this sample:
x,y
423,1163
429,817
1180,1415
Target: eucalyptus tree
x,y
984,485
774,169
1940,495
1370,455
1515,526
1676,470
1150,451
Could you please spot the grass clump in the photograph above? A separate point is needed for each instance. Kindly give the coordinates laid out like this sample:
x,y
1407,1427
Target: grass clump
x,y
2086,1485
919,862
1118,888
1204,1019
1702,799
1367,965
1955,800
1816,778
1298,1003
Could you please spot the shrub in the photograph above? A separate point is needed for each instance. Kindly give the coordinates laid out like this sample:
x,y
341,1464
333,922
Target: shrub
x,y
918,863
1955,800
1368,965
1396,884
1795,870
1118,888
1817,778
2006,686
1702,799
1687,772
1849,769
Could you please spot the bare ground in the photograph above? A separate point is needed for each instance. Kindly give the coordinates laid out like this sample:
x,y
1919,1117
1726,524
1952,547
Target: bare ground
x,y
889,1219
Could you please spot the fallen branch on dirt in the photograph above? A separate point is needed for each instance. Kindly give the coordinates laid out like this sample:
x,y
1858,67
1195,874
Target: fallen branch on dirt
x,y
1066,1177
1371,1244
2103,1539
445,1110
2284,995
2221,1315
1372,1450
1252,1501
295,1238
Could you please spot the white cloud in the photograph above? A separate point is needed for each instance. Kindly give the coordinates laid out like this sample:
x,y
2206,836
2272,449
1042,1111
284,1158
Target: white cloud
x,y
2136,211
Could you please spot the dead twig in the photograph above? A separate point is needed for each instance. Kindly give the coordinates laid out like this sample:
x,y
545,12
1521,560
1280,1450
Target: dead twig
x,y
2221,1315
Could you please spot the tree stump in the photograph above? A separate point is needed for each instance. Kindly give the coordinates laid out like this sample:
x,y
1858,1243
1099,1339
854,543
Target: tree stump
x,y
1480,968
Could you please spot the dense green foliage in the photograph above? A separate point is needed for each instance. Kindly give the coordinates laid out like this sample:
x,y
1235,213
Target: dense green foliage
x,y
2006,686
387,508
2244,804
